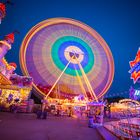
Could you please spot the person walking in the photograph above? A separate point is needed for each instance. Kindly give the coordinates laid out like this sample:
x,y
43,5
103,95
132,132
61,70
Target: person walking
x,y
45,113
39,112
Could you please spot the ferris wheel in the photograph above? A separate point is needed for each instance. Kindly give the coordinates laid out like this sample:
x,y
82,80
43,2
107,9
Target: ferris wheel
x,y
69,53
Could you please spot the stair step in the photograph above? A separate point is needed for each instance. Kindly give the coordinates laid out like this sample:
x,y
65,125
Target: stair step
x,y
106,134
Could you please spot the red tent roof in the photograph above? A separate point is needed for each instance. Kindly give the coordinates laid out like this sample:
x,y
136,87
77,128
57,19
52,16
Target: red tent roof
x,y
10,37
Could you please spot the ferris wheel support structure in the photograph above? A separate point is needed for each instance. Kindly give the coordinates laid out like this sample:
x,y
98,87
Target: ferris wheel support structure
x,y
58,78
87,82
81,84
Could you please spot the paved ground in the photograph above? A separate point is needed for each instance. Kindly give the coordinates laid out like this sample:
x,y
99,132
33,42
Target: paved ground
x,y
27,127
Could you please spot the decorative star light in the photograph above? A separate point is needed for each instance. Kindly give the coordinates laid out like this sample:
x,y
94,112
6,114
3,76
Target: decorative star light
x,y
135,67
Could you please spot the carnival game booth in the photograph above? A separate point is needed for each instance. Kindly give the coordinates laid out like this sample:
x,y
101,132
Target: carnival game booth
x,y
15,97
56,106
96,113
76,110
60,107
72,108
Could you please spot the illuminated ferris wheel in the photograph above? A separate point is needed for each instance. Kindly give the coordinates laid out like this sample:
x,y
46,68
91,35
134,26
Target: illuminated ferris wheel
x,y
69,53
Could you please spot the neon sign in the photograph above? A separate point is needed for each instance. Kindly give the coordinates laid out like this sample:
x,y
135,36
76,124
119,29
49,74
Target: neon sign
x,y
137,92
135,67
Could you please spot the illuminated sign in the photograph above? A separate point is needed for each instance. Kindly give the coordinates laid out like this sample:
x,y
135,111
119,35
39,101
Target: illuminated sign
x,y
137,95
135,67
137,92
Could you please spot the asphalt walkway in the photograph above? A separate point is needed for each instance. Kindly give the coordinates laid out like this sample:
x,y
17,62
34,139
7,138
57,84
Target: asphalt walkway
x,y
27,127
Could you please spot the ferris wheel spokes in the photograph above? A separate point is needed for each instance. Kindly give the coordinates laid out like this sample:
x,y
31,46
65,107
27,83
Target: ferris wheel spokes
x,y
59,77
81,84
87,81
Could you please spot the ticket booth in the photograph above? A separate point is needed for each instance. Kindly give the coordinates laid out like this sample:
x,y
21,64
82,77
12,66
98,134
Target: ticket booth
x,y
96,114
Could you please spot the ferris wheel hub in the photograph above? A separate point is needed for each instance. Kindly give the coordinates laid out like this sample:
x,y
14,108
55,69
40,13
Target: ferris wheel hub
x,y
73,52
